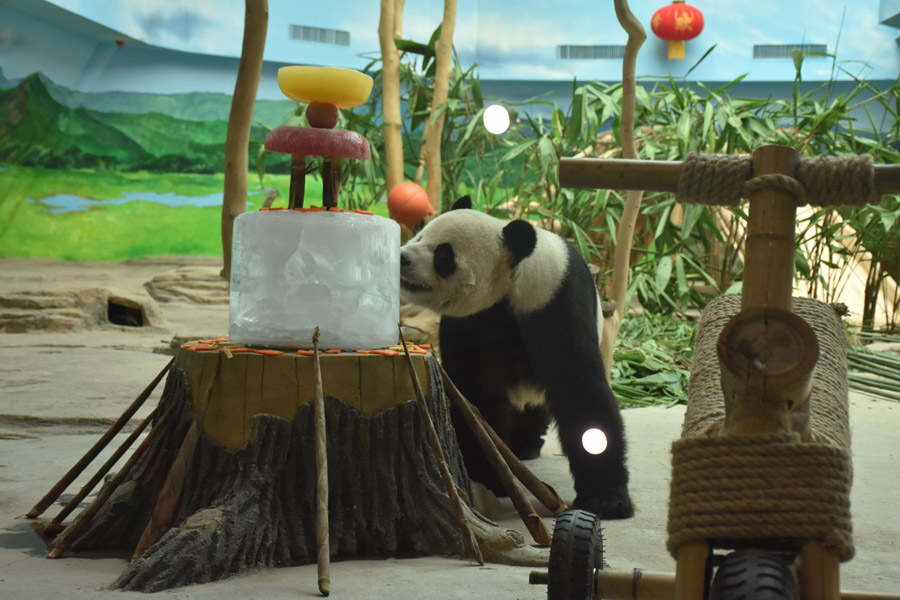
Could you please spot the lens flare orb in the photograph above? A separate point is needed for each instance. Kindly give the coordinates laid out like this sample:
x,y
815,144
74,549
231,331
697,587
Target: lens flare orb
x,y
496,119
594,441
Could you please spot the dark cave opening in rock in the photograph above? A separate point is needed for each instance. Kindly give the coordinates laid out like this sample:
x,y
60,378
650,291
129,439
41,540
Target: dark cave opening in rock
x,y
121,314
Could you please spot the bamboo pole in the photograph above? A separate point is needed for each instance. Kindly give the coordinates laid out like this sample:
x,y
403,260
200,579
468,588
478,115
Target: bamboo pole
x,y
55,526
323,559
767,357
84,519
237,137
467,535
663,175
390,28
625,233
620,174
691,571
545,494
770,248
479,427
434,128
98,447
643,585
819,573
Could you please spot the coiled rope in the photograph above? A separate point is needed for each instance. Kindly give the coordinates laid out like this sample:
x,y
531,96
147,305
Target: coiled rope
x,y
723,179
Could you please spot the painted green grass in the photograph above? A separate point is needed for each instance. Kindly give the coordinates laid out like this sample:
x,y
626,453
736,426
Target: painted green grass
x,y
112,233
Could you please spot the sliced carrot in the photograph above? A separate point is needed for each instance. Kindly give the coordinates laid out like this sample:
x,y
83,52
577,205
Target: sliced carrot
x,y
201,347
305,352
386,352
242,349
265,352
365,351
332,351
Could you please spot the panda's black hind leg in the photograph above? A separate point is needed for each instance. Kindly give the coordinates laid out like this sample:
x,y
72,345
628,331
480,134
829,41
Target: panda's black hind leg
x,y
527,431
601,480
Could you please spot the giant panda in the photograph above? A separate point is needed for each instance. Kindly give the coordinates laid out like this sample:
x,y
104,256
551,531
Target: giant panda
x,y
519,337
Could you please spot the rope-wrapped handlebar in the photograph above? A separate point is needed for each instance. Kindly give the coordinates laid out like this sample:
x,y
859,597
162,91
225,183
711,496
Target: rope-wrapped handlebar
x,y
722,179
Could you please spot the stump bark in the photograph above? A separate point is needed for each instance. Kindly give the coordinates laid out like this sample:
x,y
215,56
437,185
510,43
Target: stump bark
x,y
241,493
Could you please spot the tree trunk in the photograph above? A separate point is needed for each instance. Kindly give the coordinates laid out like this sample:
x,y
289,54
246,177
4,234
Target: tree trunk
x,y
434,128
622,257
247,492
237,138
390,27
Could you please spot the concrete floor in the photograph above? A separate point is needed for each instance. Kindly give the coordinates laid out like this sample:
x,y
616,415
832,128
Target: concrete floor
x,y
57,390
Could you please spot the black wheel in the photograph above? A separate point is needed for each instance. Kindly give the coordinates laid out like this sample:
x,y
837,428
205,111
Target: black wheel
x,y
753,575
576,550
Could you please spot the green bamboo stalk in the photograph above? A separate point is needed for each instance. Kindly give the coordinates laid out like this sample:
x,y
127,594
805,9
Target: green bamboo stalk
x,y
880,384
878,393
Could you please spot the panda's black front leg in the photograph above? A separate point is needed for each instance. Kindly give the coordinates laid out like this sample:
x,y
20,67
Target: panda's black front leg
x,y
601,480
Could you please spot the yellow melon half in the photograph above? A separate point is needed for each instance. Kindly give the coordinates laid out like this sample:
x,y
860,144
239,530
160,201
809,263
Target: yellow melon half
x,y
344,88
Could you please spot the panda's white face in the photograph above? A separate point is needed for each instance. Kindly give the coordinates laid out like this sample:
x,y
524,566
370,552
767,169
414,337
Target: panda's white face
x,y
457,266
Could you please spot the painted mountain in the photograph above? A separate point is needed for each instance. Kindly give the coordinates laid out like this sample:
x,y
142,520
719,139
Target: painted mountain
x,y
42,124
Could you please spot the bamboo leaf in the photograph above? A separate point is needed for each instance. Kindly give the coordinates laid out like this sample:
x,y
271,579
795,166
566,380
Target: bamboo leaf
x,y
519,149
663,274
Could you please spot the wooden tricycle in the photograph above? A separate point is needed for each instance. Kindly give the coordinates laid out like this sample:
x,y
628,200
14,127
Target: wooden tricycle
x,y
759,500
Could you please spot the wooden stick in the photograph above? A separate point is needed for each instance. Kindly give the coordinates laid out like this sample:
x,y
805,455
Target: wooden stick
x,y
84,519
331,181
324,550
630,212
91,454
490,442
467,535
170,494
55,526
298,181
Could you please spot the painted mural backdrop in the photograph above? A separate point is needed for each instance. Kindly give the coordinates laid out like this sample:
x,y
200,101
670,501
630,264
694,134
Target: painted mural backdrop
x,y
109,176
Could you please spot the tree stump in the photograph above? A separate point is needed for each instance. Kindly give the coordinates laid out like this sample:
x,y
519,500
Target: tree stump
x,y
226,479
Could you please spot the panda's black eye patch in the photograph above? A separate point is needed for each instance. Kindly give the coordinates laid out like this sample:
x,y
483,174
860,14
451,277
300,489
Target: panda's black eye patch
x,y
444,260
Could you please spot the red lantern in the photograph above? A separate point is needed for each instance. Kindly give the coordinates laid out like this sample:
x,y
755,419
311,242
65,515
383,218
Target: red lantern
x,y
675,24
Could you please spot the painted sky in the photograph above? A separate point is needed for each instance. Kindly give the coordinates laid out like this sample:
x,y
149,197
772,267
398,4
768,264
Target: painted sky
x,y
518,39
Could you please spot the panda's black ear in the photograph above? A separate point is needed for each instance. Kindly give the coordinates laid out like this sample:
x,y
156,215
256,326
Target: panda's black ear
x,y
464,202
520,239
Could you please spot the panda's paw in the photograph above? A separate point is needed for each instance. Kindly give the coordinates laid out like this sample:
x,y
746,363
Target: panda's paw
x,y
612,504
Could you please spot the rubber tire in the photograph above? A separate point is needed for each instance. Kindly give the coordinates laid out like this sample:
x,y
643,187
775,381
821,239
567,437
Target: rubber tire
x,y
576,550
753,575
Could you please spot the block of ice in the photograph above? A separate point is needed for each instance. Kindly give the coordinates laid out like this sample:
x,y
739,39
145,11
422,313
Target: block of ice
x,y
295,271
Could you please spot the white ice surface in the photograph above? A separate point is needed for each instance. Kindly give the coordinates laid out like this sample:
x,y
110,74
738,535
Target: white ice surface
x,y
294,271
